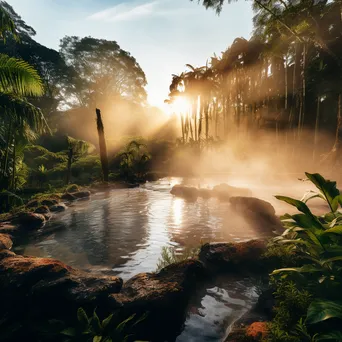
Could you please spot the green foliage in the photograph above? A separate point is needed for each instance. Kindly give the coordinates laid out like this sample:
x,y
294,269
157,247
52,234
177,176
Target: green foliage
x,y
133,161
93,329
170,255
311,301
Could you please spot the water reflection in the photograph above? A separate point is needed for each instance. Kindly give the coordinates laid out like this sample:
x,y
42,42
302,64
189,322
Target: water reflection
x,y
125,230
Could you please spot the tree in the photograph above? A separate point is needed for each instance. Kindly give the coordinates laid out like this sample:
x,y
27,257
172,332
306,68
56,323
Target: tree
x,y
103,146
76,149
21,119
102,72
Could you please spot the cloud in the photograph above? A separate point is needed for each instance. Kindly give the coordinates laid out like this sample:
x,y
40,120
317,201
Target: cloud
x,y
125,12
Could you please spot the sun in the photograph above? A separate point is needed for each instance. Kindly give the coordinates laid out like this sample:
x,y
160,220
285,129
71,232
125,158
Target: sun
x,y
179,106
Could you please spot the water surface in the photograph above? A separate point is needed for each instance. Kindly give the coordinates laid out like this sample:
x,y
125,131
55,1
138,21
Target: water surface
x,y
123,231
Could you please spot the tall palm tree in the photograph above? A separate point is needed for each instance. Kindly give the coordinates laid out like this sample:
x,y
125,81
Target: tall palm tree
x,y
18,81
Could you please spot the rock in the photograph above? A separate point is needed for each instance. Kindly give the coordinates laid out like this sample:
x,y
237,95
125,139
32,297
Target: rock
x,y
30,220
81,194
258,213
253,204
257,331
224,191
32,204
164,296
235,257
205,193
38,289
49,202
57,208
5,241
8,228
68,197
186,192
42,210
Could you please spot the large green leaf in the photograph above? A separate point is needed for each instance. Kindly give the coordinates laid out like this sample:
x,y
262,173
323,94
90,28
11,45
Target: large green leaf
x,y
82,317
334,230
321,310
303,269
301,206
327,188
106,321
331,336
69,332
96,324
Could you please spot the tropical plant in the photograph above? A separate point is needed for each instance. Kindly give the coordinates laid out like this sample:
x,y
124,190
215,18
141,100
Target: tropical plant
x,y
94,330
133,160
169,256
317,241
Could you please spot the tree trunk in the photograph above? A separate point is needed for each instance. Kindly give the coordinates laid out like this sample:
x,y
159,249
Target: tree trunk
x,y
13,166
316,129
103,147
70,156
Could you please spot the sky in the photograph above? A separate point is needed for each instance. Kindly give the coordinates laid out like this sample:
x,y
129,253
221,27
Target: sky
x,y
163,35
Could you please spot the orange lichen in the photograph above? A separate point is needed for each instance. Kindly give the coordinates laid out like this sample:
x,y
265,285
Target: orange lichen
x,y
257,330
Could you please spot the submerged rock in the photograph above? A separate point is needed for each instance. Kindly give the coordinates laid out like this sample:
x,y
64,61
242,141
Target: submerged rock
x,y
49,202
224,191
58,208
32,204
5,241
68,197
186,192
235,257
163,295
258,213
44,209
30,220
81,194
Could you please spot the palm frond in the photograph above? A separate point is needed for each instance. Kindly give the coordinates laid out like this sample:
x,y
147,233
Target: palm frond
x,y
19,77
21,113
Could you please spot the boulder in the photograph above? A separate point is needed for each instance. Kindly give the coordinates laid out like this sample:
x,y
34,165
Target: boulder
x,y
258,213
164,295
68,197
49,202
32,204
30,220
224,191
44,209
36,290
57,208
186,192
5,241
81,194
234,257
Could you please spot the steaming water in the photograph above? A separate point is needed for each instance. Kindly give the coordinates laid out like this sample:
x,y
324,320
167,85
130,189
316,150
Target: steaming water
x,y
123,232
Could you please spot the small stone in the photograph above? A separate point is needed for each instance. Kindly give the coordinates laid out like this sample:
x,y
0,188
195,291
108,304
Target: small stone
x,y
58,208
5,241
187,192
49,202
81,194
44,209
68,197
